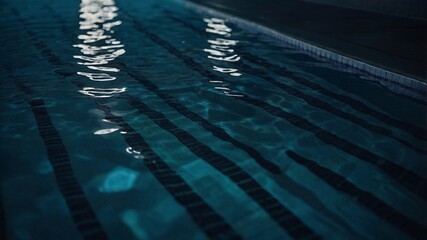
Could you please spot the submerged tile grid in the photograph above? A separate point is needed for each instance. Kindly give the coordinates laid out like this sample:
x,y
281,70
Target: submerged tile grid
x,y
168,126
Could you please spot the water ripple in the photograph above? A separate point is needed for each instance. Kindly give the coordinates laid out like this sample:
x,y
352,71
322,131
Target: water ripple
x,y
221,50
98,47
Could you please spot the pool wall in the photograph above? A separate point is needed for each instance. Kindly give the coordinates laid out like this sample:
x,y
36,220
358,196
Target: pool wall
x,y
406,8
394,82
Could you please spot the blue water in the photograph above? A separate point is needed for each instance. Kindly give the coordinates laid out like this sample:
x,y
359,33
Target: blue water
x,y
147,120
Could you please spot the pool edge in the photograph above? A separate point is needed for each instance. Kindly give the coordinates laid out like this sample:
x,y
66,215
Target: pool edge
x,y
394,82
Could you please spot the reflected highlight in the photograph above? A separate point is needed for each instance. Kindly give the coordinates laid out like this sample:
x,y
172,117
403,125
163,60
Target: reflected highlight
x,y
221,50
102,92
98,47
105,131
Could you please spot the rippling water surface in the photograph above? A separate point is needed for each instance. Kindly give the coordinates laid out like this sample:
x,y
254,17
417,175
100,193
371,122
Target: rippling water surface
x,y
147,120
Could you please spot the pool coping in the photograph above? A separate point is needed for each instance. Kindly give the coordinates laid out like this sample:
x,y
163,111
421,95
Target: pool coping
x,y
395,82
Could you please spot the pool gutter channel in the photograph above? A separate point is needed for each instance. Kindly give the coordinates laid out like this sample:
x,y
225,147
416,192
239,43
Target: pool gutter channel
x,y
394,82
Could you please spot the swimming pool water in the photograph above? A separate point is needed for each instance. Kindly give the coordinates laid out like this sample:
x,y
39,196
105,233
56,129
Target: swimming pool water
x,y
147,120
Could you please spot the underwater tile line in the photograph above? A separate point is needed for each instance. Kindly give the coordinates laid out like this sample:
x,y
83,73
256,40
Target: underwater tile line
x,y
318,103
202,213
213,225
210,222
293,187
46,55
81,211
208,126
377,206
413,182
296,230
409,179
40,45
414,130
278,212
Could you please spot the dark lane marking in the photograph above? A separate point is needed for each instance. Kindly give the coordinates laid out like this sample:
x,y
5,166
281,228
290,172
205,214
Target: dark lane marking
x,y
213,225
203,215
318,103
283,216
293,187
380,208
80,209
216,131
407,178
44,50
41,46
414,130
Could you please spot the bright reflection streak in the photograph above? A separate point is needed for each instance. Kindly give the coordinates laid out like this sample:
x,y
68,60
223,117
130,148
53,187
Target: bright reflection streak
x,y
231,71
102,92
217,26
105,131
107,69
98,47
134,153
233,58
100,77
221,50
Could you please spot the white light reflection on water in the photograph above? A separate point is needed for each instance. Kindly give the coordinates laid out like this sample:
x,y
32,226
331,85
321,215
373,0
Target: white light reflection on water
x,y
101,92
98,47
106,131
221,50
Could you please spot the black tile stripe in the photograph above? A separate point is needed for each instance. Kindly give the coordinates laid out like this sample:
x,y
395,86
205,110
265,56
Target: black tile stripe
x,y
44,50
52,58
318,103
412,129
80,208
295,188
292,186
352,102
58,17
212,224
283,216
380,208
216,131
407,178
203,215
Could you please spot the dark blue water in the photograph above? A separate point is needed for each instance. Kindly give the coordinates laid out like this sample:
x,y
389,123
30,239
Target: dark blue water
x,y
147,120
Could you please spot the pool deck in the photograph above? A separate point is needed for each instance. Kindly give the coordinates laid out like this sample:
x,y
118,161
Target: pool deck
x,y
393,43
